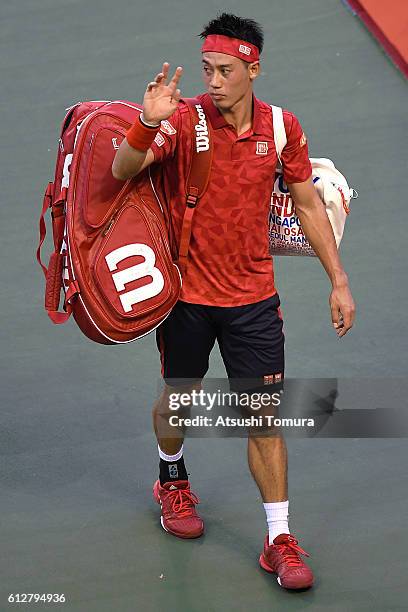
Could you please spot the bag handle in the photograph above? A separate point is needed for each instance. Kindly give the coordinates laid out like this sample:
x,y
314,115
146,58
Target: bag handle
x,y
53,274
279,132
198,173
47,202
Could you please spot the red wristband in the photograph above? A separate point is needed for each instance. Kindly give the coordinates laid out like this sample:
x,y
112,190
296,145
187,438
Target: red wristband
x,y
140,136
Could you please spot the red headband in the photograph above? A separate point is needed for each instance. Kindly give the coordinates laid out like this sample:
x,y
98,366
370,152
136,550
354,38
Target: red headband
x,y
231,46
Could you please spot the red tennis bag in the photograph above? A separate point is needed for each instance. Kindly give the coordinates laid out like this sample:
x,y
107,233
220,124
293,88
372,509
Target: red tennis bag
x,y
114,254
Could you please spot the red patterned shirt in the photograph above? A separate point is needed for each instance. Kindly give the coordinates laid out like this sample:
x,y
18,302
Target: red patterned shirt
x,y
229,262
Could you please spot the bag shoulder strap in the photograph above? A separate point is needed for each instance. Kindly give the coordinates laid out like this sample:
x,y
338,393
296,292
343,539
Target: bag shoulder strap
x,y
198,173
279,132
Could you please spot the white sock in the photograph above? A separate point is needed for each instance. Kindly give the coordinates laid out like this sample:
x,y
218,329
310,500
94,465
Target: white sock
x,y
170,458
277,514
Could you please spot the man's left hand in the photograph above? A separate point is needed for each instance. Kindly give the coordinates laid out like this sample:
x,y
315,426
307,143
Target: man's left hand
x,y
342,309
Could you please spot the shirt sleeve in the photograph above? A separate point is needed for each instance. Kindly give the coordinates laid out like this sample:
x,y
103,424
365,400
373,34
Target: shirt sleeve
x,y
295,155
164,145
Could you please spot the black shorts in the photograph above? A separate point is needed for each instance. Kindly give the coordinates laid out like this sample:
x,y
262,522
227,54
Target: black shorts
x,y
250,338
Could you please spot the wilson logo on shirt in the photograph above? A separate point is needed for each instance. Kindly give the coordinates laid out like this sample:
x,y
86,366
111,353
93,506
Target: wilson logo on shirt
x,y
262,148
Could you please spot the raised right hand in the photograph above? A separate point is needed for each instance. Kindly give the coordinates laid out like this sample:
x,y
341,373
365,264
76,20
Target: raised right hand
x,y
161,99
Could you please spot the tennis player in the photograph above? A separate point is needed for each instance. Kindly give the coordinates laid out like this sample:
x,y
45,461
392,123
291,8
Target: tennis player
x,y
228,292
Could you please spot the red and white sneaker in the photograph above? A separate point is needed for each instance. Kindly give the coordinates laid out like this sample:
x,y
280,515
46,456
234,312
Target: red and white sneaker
x,y
178,513
282,558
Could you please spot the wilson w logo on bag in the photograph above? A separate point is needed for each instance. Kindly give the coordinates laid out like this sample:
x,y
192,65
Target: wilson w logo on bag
x,y
113,257
286,235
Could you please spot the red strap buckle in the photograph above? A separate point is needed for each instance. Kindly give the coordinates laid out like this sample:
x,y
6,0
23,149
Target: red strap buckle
x,y
192,196
192,201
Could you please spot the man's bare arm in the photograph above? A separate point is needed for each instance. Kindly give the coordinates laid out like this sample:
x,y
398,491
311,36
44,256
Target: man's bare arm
x,y
316,226
159,103
129,161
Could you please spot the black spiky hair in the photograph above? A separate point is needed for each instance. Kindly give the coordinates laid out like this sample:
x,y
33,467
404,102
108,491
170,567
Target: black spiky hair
x,y
235,27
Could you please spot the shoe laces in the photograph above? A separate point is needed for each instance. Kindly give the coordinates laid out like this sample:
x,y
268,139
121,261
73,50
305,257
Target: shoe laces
x,y
183,502
290,552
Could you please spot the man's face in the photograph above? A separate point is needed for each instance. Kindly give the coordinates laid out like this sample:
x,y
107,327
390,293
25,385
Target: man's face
x,y
227,78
